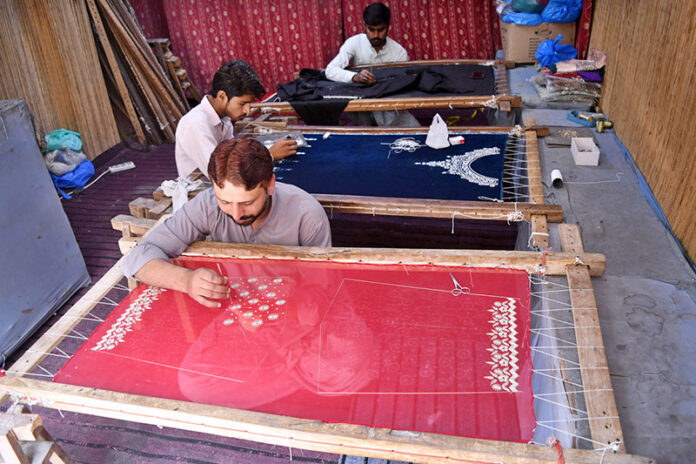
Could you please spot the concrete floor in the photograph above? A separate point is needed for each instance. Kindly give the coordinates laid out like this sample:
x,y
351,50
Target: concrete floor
x,y
646,299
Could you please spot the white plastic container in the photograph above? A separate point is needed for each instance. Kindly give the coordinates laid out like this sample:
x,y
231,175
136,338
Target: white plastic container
x,y
584,150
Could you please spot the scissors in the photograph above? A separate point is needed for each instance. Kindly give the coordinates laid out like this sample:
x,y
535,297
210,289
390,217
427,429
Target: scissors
x,y
458,289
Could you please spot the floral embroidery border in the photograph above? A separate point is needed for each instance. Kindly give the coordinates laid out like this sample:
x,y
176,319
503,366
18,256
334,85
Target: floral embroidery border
x,y
130,316
504,361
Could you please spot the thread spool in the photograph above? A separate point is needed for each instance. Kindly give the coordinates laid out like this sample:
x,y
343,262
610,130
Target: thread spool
x,y
556,178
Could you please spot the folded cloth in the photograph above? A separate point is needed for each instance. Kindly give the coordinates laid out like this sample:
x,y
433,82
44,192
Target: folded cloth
x,y
178,190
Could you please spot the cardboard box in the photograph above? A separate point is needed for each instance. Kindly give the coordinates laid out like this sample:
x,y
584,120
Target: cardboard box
x,y
521,42
585,152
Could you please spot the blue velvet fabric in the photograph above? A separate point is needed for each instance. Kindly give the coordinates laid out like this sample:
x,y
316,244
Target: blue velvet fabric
x,y
366,164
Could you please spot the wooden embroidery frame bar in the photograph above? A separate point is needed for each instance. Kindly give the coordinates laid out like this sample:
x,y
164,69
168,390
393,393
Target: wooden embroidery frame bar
x,y
572,262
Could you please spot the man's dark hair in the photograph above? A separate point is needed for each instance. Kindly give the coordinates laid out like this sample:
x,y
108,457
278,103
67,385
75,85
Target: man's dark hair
x,y
376,14
237,78
244,162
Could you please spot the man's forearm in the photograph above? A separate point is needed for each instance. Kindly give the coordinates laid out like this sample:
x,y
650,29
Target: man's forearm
x,y
161,273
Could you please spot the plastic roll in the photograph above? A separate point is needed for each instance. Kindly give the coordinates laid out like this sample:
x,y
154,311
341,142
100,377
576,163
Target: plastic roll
x,y
556,178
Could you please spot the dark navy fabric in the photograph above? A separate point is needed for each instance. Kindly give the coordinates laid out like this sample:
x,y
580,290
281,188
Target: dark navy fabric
x,y
349,164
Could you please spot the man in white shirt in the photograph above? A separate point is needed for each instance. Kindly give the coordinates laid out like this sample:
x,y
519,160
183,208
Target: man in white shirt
x,y
245,205
373,47
235,86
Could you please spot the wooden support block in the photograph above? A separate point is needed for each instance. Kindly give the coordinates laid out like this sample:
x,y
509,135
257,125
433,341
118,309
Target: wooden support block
x,y
149,208
163,207
24,440
140,206
505,106
131,226
11,450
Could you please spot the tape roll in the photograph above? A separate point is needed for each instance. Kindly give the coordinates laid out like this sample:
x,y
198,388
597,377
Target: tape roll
x,y
556,178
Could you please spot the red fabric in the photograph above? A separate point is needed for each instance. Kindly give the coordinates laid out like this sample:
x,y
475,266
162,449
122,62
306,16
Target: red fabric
x,y
582,39
436,29
151,17
280,37
402,347
276,37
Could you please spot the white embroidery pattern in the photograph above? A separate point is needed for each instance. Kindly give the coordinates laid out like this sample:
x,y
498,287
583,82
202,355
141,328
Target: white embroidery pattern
x,y
460,165
130,316
503,372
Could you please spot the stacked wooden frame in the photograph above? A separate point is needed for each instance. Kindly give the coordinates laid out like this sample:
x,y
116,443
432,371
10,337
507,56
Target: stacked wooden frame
x,y
502,99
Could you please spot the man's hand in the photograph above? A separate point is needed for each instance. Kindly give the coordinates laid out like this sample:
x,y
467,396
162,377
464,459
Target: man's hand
x,y
205,286
283,148
364,77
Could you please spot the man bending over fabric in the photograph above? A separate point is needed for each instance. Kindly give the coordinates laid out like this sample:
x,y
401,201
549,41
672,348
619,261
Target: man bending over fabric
x,y
244,205
373,47
235,86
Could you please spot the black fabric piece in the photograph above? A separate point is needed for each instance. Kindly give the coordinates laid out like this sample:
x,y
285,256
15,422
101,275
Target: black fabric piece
x,y
320,101
313,87
408,81
320,112
437,82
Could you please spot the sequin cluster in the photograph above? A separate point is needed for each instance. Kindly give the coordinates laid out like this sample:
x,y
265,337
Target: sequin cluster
x,y
255,301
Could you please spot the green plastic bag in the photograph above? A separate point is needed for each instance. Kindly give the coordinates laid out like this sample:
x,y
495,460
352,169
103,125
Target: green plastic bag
x,y
63,138
528,6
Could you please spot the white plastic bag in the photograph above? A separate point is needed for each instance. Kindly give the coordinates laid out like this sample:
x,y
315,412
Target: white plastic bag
x,y
178,190
62,161
438,136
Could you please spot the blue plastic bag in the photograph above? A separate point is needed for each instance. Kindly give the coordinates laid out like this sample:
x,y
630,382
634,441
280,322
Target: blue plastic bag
x,y
550,52
562,11
63,138
77,178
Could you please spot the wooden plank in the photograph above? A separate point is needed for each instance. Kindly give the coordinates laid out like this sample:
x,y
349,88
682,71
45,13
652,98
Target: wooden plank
x,y
140,52
599,396
394,130
408,103
540,231
118,78
403,64
295,432
532,262
436,208
571,241
536,189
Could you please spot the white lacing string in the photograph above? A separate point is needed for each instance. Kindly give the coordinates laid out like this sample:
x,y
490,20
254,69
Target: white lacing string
x,y
531,237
